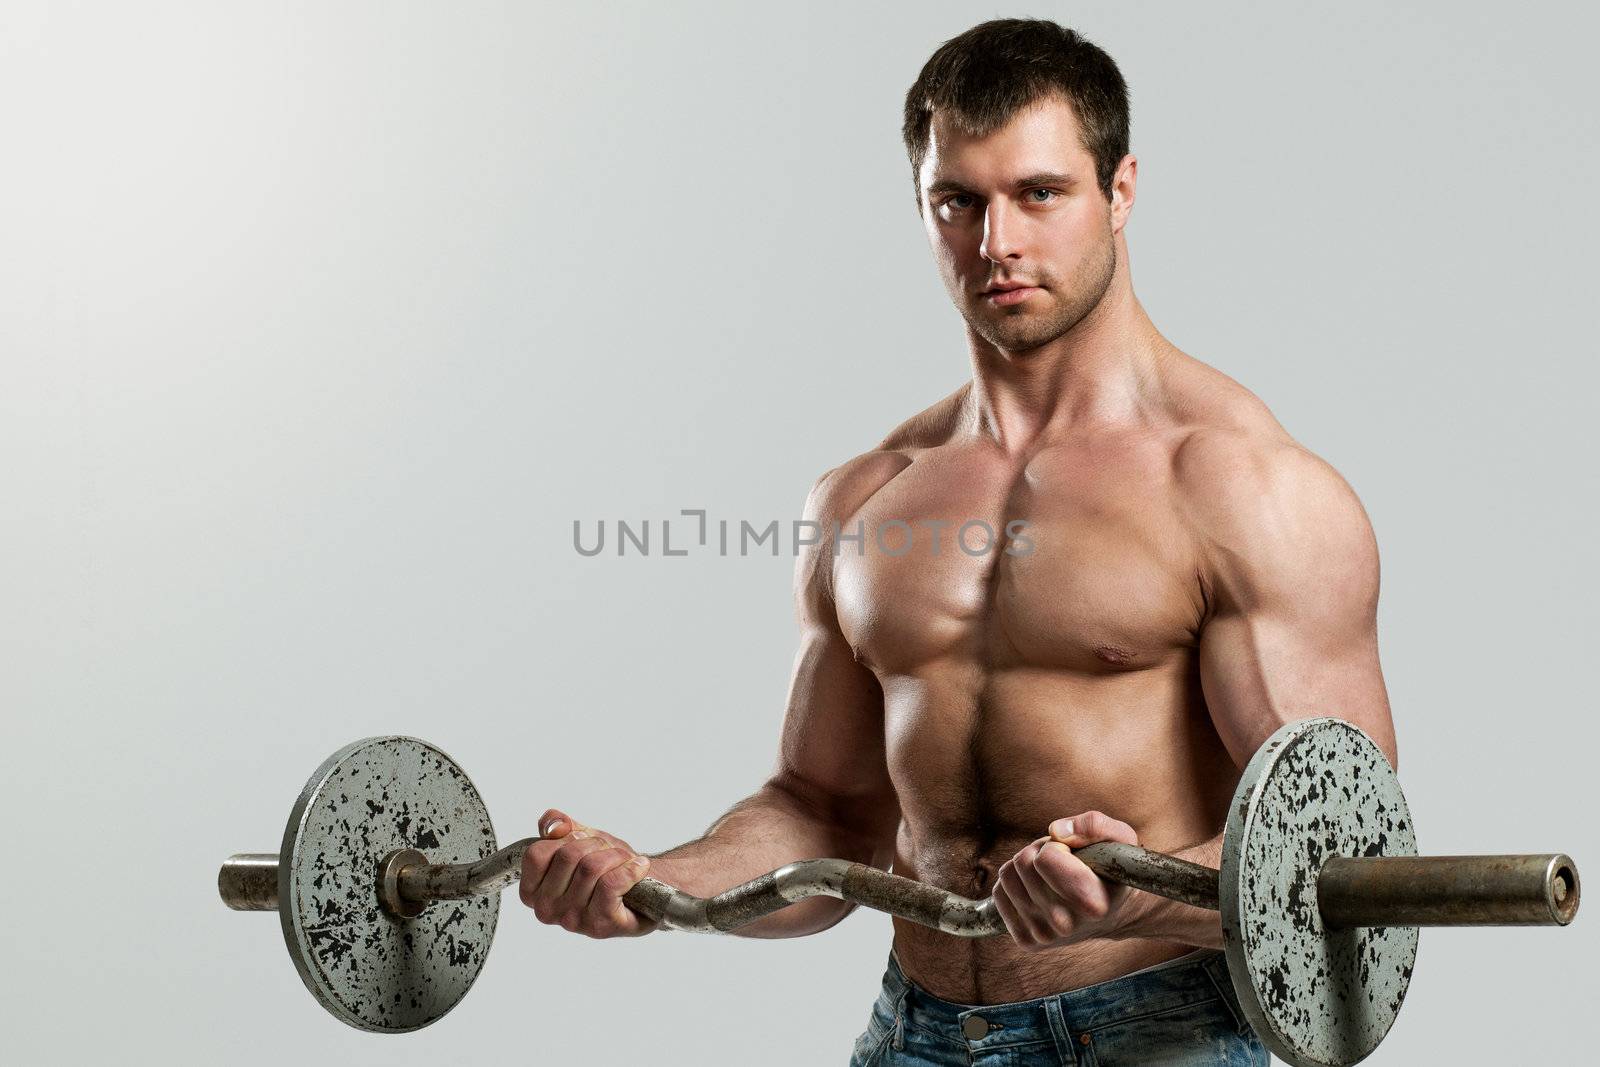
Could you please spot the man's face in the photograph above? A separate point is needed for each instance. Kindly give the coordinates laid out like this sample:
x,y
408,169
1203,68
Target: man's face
x,y
1020,205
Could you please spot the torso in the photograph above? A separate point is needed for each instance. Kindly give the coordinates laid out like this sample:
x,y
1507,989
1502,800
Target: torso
x,y
1020,687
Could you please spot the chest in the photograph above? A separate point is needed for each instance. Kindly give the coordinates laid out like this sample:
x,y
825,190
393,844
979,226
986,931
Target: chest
x,y
1078,559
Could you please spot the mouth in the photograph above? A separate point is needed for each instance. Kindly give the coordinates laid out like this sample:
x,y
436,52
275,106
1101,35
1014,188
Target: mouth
x,y
1015,294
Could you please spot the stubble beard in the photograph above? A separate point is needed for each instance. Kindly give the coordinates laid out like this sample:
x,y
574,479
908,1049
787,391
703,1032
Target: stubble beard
x,y
1019,329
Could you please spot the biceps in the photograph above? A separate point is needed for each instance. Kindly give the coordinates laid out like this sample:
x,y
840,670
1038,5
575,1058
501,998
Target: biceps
x,y
1260,670
832,752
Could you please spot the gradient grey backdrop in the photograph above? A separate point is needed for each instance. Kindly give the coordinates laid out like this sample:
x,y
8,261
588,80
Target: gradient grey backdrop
x,y
321,325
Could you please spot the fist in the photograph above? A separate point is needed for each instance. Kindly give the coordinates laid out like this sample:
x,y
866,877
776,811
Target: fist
x,y
575,878
1048,897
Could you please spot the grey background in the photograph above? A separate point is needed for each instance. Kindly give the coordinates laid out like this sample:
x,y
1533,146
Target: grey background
x,y
320,325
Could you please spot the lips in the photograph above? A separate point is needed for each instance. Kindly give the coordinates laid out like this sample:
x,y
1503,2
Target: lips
x,y
1014,294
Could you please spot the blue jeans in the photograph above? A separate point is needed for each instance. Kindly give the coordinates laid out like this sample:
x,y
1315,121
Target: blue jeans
x,y
1182,1013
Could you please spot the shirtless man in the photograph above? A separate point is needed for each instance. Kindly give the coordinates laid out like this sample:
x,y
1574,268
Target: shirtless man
x,y
1195,579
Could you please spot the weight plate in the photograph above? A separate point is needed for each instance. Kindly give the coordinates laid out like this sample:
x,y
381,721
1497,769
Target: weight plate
x,y
369,968
1317,998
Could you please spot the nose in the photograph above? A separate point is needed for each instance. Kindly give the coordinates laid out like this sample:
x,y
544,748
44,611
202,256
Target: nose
x,y
1002,233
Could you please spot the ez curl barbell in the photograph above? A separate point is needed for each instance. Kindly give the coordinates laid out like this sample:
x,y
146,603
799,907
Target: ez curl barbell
x,y
387,884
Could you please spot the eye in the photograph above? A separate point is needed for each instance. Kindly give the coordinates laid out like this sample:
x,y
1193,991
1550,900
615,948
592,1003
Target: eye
x,y
1041,189
950,201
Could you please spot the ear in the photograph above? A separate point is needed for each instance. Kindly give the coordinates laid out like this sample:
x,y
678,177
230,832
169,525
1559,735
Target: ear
x,y
1123,185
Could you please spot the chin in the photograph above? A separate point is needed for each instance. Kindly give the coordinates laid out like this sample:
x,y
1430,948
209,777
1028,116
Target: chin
x,y
1012,329
1014,340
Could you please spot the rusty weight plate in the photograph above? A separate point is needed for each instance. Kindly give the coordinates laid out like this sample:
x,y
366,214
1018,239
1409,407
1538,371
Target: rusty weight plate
x,y
1317,998
370,969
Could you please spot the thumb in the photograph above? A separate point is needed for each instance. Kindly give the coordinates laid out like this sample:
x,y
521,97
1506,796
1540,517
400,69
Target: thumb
x,y
557,823
1091,826
1065,831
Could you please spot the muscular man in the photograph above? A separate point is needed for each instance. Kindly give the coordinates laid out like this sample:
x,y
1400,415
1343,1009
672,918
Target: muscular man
x,y
1194,578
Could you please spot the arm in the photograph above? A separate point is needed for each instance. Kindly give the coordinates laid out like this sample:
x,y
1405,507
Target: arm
x,y
1289,571
1289,568
829,794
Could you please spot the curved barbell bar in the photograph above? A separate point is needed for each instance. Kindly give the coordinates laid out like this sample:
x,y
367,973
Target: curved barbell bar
x,y
1523,890
857,883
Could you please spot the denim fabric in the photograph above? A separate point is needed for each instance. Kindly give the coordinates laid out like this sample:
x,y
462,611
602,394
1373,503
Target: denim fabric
x,y
1177,1014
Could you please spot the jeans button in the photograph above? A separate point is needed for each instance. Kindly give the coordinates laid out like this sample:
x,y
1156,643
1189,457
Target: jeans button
x,y
975,1027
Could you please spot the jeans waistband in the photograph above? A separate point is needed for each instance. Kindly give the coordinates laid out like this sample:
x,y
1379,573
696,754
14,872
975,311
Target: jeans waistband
x,y
1200,975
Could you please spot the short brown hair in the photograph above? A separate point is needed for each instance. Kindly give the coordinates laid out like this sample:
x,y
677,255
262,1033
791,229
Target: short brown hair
x,y
989,73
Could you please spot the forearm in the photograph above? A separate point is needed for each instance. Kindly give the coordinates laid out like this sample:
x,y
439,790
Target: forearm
x,y
759,834
1156,917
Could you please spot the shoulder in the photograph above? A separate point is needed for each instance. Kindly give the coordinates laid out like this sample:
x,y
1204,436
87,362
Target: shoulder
x,y
841,491
838,494
1265,510
1236,483
1233,462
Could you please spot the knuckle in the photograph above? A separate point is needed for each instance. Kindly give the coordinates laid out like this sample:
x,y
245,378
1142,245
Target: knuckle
x,y
1076,898
600,861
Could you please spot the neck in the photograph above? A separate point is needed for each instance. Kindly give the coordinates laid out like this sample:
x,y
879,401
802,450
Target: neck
x,y
1105,370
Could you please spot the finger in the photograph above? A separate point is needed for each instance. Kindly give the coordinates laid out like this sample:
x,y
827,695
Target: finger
x,y
1008,915
1055,916
1070,879
1022,912
580,892
535,862
548,902
613,885
555,823
1022,931
1090,826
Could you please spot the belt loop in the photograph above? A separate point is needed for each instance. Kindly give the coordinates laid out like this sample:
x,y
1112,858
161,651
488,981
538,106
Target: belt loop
x,y
1059,1030
1216,969
899,1020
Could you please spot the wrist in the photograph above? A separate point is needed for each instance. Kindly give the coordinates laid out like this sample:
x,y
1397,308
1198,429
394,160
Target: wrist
x,y
1133,919
661,868
1151,917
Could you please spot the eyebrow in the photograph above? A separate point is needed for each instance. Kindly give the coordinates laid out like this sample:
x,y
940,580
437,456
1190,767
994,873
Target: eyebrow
x,y
950,185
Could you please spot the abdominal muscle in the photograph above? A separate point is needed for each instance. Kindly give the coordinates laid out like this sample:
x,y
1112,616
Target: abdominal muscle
x,y
995,970
983,769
